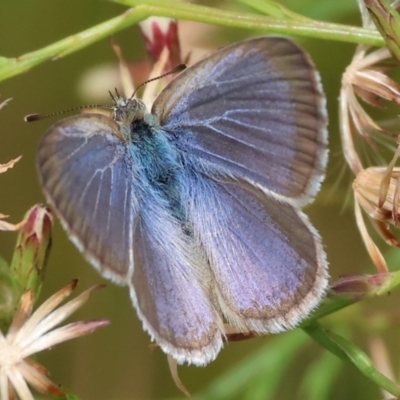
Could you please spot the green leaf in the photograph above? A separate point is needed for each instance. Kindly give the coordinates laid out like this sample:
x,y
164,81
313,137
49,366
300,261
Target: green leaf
x,y
10,293
251,374
299,27
320,377
272,9
4,61
349,352
3,263
72,43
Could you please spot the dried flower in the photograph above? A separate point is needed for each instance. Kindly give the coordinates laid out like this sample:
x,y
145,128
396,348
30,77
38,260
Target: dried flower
x,y
365,80
152,88
366,187
31,333
4,103
6,226
10,164
28,264
375,189
162,42
367,190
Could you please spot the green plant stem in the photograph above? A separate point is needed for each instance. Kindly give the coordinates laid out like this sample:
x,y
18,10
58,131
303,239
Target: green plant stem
x,y
271,360
300,27
145,8
334,302
347,351
320,377
272,9
328,306
13,66
389,285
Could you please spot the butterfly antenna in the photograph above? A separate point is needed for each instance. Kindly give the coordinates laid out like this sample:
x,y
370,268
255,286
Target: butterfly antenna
x,y
177,69
38,117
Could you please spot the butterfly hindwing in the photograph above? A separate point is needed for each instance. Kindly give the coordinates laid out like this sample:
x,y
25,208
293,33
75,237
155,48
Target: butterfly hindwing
x,y
267,261
171,288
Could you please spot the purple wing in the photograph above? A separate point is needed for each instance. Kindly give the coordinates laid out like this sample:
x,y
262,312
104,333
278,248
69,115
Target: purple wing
x,y
256,111
171,288
86,176
89,178
266,258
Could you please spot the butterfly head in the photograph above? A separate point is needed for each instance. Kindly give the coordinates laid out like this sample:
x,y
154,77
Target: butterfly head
x,y
126,111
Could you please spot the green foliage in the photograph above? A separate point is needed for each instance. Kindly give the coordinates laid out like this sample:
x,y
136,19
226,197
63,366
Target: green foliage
x,y
260,375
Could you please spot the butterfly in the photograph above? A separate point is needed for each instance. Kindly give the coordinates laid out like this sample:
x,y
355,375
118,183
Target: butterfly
x,y
195,205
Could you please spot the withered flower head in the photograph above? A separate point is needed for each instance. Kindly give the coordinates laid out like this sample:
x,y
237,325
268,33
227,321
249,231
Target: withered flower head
x,y
366,80
31,333
375,189
6,226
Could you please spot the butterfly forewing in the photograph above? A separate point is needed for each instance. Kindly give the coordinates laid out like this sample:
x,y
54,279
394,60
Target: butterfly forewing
x,y
254,109
86,174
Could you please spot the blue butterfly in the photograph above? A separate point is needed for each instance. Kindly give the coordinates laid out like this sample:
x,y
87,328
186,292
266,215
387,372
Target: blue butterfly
x,y
195,205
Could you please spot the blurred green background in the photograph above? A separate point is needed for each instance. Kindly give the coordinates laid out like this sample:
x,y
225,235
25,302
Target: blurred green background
x,y
116,362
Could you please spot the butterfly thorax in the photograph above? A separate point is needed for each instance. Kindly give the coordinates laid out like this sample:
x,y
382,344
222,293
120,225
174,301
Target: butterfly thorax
x,y
155,158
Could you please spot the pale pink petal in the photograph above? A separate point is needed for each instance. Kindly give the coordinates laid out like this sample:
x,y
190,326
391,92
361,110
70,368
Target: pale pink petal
x,y
22,314
379,83
3,384
39,367
4,103
49,305
160,33
373,58
173,368
7,226
126,77
366,18
349,151
63,334
153,88
19,384
57,316
38,380
10,164
29,334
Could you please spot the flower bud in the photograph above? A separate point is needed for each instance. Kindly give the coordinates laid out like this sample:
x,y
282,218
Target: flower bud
x,y
358,286
160,32
32,249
